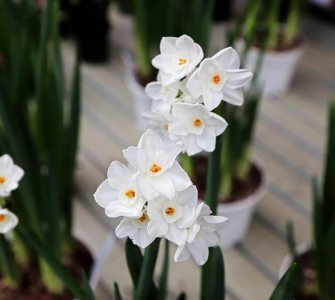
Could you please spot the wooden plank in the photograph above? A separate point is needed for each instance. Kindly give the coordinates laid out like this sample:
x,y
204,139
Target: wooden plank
x,y
278,142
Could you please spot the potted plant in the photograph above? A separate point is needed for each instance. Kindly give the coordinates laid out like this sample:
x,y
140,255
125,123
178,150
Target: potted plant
x,y
155,197
39,130
315,262
152,20
282,39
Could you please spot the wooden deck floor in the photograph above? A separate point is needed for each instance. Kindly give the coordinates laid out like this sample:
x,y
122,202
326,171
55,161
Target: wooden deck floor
x,y
290,141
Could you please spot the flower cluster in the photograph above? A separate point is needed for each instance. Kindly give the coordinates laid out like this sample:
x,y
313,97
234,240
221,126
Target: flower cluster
x,y
156,198
10,175
185,95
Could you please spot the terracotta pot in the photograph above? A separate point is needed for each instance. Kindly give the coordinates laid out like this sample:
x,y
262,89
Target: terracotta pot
x,y
278,67
142,102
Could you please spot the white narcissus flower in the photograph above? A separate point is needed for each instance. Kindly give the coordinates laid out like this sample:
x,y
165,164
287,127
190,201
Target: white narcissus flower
x,y
136,230
158,171
157,91
165,96
169,218
10,175
196,127
118,194
8,221
178,58
219,78
159,121
201,235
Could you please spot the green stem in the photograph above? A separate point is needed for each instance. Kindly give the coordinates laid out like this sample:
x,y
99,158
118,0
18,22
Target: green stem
x,y
20,250
141,22
187,162
147,270
226,180
50,280
8,265
213,176
243,165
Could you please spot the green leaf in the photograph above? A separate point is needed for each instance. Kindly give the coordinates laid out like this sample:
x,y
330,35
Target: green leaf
x,y
143,289
87,288
45,253
163,283
71,146
291,239
287,285
329,169
117,294
212,276
134,261
7,263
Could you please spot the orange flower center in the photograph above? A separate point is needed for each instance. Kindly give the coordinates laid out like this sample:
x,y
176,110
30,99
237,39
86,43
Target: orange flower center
x,y
182,61
155,168
2,179
216,79
143,218
130,194
2,217
197,123
170,211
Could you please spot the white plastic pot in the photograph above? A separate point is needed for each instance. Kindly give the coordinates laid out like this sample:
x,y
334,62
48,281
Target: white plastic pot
x,y
277,70
142,102
240,212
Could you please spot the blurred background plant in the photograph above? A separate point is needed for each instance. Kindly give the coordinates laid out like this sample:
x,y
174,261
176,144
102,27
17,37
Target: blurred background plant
x,y
316,264
39,128
154,19
277,27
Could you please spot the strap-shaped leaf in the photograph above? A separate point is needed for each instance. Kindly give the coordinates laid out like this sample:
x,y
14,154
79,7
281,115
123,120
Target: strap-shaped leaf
x,y
87,288
287,285
7,263
329,173
117,294
144,285
291,239
163,282
212,276
134,261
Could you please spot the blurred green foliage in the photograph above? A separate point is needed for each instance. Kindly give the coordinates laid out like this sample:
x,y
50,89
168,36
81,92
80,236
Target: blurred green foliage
x,y
39,126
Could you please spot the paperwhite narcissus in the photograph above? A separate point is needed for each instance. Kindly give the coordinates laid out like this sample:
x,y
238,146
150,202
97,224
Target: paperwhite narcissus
x,y
159,121
8,221
118,194
178,58
169,218
158,171
201,235
10,175
219,78
196,127
136,230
